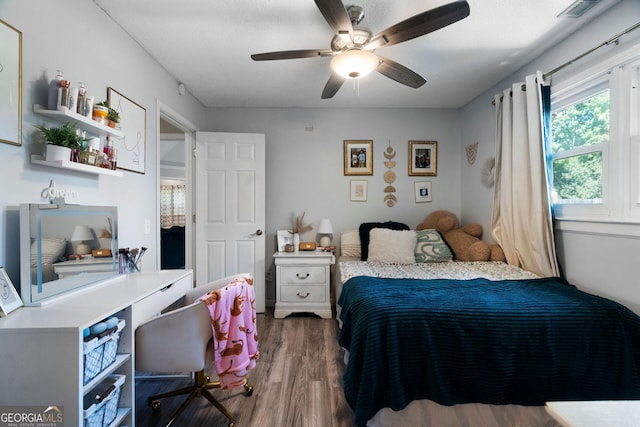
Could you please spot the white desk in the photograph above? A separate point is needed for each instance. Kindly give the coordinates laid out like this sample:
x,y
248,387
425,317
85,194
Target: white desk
x,y
599,413
41,351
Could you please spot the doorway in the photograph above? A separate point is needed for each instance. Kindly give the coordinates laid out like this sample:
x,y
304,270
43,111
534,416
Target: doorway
x,y
175,193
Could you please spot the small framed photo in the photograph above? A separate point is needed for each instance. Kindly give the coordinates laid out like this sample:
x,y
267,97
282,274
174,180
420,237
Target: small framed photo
x,y
423,158
422,191
284,237
9,298
358,158
358,190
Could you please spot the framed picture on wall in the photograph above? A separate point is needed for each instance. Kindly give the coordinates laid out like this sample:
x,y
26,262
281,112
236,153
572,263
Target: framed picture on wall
x,y
10,84
9,298
358,158
422,191
358,190
131,148
423,158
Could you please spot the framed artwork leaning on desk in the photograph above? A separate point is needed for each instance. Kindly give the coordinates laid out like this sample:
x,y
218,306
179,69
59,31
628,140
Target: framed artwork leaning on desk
x,y
9,298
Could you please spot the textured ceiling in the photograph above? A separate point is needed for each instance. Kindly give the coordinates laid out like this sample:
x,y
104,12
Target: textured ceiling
x,y
207,45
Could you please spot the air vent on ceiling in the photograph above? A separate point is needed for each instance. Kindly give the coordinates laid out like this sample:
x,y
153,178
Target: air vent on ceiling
x,y
578,8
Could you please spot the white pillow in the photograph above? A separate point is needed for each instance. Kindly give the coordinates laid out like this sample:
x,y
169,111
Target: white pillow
x,y
52,249
350,244
392,246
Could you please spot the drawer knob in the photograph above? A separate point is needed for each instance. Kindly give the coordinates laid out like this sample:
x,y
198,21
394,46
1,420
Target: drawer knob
x,y
303,296
299,276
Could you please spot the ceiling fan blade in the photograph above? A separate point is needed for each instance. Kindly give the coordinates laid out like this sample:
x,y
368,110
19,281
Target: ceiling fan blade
x,y
292,54
421,24
336,15
399,73
333,85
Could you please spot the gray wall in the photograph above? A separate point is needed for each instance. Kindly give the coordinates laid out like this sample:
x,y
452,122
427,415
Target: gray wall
x,y
305,167
598,258
62,35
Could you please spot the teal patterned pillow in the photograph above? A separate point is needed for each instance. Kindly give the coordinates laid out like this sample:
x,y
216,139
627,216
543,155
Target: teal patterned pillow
x,y
431,248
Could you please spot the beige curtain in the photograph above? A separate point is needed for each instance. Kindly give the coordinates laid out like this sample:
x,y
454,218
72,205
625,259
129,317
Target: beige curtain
x,y
172,206
522,222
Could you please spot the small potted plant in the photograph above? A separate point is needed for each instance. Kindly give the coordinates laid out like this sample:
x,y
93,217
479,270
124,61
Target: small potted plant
x,y
61,140
113,116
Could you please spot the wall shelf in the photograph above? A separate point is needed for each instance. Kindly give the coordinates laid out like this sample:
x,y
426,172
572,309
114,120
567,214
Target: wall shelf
x,y
69,165
83,122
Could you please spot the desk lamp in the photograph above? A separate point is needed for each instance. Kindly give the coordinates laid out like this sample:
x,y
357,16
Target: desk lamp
x,y
325,231
82,233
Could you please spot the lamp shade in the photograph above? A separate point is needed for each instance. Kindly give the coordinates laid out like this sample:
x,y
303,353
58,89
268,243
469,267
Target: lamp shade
x,y
354,63
325,227
82,233
325,231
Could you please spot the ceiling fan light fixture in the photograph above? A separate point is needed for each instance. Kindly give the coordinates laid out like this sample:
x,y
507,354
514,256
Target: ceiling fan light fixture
x,y
354,63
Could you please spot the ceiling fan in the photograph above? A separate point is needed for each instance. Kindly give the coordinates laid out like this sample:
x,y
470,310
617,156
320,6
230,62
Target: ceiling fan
x,y
352,46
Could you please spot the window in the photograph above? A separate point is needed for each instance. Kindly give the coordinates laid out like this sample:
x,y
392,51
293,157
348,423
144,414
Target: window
x,y
580,137
595,143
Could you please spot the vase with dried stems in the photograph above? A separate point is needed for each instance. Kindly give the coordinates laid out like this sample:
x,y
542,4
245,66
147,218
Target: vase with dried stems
x,y
299,227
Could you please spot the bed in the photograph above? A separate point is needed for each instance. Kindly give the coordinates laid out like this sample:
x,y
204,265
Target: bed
x,y
454,332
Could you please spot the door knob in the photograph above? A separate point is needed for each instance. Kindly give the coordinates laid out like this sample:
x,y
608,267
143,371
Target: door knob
x,y
257,233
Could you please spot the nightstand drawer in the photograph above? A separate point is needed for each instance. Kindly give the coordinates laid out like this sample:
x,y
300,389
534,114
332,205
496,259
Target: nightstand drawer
x,y
303,275
315,293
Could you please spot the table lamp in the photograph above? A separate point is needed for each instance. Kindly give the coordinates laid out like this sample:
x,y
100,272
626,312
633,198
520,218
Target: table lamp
x,y
325,231
82,233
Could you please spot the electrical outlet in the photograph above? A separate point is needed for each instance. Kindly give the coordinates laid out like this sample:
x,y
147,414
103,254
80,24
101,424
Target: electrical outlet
x,y
147,226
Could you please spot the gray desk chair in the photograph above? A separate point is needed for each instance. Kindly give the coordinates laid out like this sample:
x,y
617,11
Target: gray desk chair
x,y
180,341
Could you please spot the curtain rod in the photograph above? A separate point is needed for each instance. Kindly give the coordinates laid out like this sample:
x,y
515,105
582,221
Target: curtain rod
x,y
612,40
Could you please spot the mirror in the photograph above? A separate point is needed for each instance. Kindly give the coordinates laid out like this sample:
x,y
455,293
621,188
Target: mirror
x,y
10,84
65,247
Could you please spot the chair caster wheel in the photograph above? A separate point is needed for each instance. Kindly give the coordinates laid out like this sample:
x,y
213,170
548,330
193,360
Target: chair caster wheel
x,y
154,404
248,390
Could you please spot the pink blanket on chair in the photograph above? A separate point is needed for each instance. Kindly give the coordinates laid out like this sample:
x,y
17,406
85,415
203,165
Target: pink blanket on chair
x,y
235,334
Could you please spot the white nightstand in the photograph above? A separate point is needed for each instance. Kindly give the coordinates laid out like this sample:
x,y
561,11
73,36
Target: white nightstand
x,y
303,280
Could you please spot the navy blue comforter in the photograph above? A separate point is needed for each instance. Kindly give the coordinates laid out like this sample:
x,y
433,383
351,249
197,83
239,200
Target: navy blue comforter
x,y
499,342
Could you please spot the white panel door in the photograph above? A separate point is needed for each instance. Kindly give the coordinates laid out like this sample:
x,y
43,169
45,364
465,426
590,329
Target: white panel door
x,y
230,208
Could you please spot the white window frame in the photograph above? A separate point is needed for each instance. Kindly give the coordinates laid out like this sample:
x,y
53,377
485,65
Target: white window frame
x,y
621,158
564,99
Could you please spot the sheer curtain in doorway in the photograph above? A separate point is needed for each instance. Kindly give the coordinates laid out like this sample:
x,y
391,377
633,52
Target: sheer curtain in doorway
x,y
172,205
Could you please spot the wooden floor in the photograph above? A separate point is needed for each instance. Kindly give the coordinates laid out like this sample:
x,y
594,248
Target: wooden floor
x,y
298,383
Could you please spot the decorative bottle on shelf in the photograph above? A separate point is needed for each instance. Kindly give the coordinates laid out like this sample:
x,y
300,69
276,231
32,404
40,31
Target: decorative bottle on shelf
x,y
63,94
88,106
81,101
73,99
54,85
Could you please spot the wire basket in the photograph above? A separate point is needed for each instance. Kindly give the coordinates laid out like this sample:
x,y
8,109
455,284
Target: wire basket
x,y
101,404
101,351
